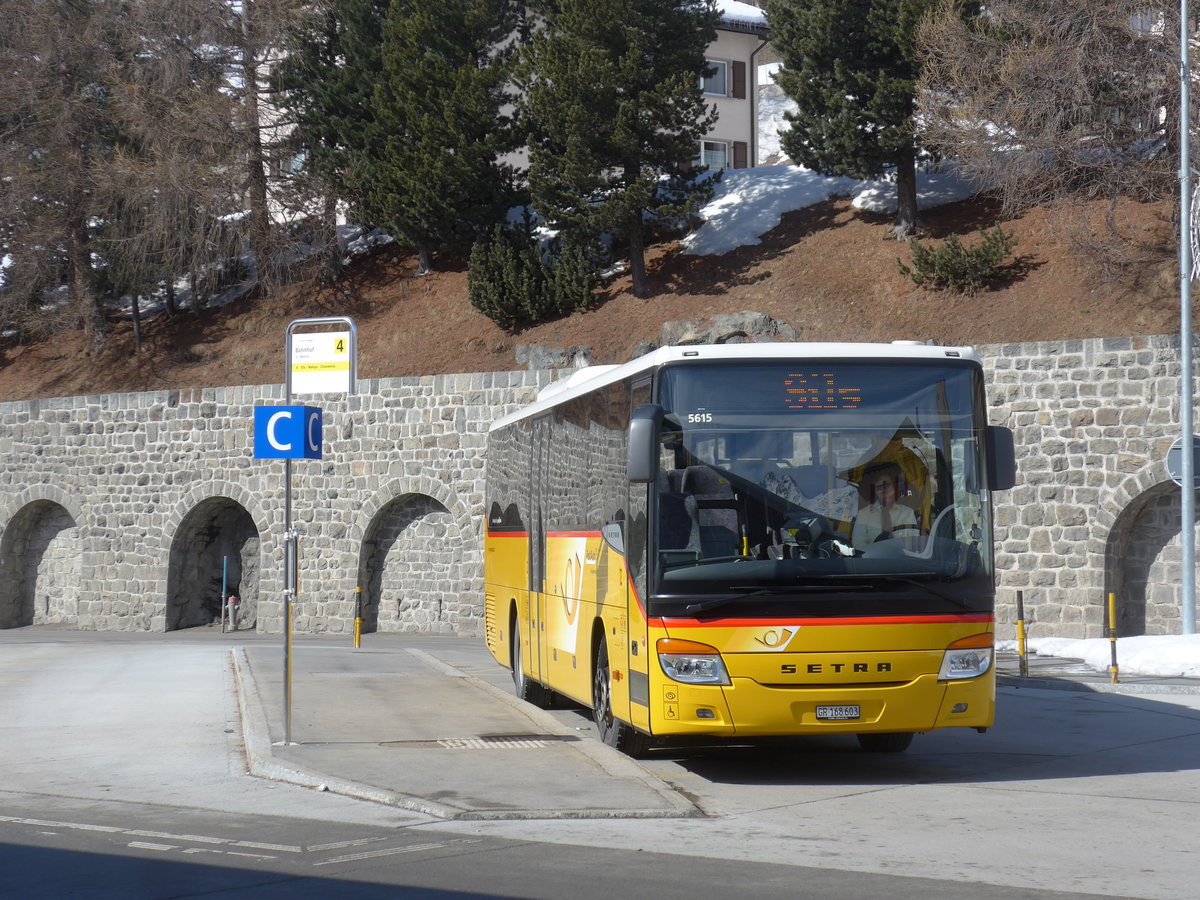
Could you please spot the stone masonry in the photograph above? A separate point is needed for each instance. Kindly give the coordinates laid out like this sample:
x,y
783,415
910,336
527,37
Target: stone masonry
x,y
1093,510
121,512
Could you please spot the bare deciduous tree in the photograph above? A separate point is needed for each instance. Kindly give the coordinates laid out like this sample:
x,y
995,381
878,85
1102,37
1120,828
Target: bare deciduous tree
x,y
56,59
1053,103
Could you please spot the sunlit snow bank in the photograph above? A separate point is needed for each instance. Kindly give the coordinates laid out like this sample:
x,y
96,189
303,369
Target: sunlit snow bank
x,y
750,202
1164,656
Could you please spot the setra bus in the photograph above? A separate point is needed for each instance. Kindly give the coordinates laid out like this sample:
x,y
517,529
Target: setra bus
x,y
746,540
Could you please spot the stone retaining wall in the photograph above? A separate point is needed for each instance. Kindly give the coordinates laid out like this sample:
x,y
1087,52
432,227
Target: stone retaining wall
x,y
1093,510
121,512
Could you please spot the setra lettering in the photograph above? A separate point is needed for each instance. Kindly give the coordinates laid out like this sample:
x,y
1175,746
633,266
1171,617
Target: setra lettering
x,y
836,668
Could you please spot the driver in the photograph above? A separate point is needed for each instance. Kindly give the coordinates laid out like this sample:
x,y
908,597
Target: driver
x,y
881,517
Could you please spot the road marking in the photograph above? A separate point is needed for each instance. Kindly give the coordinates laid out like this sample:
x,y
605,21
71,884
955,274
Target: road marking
x,y
194,838
146,845
47,823
338,845
164,835
372,854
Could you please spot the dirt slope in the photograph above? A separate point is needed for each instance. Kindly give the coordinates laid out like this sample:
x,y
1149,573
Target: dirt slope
x,y
828,271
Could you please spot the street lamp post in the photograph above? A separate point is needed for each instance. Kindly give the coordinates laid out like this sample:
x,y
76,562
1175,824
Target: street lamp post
x,y
1187,532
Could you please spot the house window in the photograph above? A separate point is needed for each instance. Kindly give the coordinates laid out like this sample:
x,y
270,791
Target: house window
x,y
713,154
285,164
717,82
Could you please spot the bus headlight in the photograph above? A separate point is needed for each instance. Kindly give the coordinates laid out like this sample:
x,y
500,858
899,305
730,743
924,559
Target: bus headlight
x,y
691,663
969,657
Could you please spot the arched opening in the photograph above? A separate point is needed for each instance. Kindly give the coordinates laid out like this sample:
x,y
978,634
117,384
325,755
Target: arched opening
x,y
1143,563
216,542
40,568
410,569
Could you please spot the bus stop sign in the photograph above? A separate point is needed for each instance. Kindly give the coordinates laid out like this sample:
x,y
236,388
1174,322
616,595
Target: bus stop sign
x,y
287,432
1175,462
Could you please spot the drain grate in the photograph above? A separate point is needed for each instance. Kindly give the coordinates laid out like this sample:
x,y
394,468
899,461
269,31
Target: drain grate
x,y
500,742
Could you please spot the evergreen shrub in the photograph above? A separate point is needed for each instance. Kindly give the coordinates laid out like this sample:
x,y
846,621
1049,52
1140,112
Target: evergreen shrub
x,y
513,281
959,268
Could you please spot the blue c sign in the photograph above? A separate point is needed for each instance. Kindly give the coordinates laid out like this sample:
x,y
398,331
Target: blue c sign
x,y
287,432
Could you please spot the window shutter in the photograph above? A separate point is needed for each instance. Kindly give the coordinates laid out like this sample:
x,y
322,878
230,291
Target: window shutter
x,y
739,154
739,81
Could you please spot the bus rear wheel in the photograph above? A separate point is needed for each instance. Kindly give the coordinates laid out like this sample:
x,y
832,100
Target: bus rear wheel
x,y
524,686
885,742
613,731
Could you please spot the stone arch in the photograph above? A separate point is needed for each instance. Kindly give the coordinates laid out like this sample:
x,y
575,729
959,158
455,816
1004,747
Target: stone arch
x,y
416,550
216,540
40,564
197,495
1143,558
68,501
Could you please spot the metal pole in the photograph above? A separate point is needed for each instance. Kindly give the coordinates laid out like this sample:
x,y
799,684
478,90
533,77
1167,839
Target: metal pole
x,y
289,556
358,616
289,597
1111,618
1022,644
1187,532
291,575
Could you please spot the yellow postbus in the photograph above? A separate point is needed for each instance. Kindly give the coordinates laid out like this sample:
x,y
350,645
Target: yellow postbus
x,y
745,540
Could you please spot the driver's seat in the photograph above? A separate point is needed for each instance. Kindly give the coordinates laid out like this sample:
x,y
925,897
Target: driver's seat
x,y
712,504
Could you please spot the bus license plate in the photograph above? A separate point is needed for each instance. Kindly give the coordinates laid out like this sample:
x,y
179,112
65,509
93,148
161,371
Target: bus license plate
x,y
838,713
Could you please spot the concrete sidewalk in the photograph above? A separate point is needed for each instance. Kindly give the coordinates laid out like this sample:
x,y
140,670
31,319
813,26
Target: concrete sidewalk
x,y
404,721
1052,673
429,723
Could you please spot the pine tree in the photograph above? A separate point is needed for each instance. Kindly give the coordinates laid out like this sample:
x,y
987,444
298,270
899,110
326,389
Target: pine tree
x,y
615,113
852,68
435,179
327,80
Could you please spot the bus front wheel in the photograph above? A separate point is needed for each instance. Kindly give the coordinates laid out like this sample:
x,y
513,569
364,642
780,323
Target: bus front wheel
x,y
885,742
612,730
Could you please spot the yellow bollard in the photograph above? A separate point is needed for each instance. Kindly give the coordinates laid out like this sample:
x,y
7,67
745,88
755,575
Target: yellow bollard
x,y
1022,648
1112,635
357,617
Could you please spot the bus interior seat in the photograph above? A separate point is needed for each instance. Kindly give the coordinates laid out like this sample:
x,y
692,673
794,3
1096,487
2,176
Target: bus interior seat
x,y
674,520
711,502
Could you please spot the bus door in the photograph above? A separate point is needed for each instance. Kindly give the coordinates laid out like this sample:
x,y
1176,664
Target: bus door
x,y
638,650
537,547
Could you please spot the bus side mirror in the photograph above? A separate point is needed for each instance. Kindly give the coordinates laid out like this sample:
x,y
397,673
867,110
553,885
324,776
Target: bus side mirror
x,y
1002,458
644,425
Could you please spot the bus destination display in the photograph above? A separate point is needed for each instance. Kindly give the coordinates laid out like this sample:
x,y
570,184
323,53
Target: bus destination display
x,y
819,390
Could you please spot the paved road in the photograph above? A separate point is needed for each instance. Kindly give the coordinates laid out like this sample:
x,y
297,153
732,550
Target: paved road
x,y
125,771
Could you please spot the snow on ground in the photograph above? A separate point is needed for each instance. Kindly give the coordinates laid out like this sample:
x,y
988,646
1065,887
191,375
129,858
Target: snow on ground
x,y
1164,656
750,202
773,105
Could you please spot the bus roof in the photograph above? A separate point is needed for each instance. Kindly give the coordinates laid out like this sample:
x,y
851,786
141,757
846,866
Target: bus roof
x,y
588,378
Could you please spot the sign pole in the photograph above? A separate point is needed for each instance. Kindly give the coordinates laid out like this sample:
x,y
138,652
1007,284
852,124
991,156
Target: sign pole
x,y
289,595
322,372
1187,534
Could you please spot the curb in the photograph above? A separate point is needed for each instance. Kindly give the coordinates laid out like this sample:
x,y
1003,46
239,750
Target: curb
x,y
1087,687
261,761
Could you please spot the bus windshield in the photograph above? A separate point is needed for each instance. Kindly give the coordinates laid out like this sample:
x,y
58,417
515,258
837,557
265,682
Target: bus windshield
x,y
838,487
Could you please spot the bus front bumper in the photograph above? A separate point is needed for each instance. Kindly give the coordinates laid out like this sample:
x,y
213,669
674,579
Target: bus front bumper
x,y
748,709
